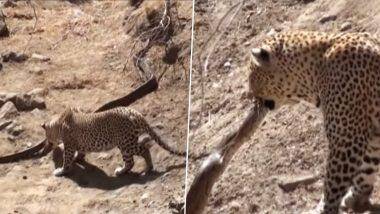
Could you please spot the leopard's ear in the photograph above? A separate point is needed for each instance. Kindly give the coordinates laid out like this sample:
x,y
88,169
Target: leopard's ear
x,y
261,56
43,126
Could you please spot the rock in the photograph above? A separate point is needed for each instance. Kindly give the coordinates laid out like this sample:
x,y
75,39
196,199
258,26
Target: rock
x,y
4,97
4,124
39,92
8,110
40,57
78,13
273,31
104,156
175,206
16,171
36,70
37,112
24,102
328,18
345,26
234,205
29,144
11,138
1,66
159,126
254,208
14,57
144,197
4,32
14,129
9,3
288,185
307,1
227,64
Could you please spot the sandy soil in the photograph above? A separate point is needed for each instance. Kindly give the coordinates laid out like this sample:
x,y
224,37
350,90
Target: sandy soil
x,y
291,141
89,47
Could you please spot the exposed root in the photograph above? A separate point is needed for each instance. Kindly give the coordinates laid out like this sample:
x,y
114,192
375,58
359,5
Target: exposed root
x,y
213,167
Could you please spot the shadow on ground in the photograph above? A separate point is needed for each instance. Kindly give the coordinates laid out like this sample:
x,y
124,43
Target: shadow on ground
x,y
87,175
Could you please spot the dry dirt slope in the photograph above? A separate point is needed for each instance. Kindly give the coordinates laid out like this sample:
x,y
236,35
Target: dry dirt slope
x,y
291,141
88,47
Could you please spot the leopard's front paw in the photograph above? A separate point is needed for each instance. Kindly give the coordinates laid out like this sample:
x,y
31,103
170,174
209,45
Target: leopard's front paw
x,y
356,204
60,171
120,171
80,157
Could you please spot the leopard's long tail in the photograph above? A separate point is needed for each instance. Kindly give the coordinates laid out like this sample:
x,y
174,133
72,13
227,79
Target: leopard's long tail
x,y
162,144
165,146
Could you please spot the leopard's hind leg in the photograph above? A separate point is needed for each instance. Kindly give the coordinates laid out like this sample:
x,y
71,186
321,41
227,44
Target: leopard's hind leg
x,y
80,157
148,160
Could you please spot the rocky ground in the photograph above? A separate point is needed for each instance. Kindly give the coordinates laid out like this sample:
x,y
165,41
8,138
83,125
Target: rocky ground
x,y
291,142
78,53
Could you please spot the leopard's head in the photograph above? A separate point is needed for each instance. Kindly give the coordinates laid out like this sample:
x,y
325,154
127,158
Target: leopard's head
x,y
268,80
53,128
53,131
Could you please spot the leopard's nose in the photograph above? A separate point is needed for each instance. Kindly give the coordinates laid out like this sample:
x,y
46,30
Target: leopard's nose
x,y
270,104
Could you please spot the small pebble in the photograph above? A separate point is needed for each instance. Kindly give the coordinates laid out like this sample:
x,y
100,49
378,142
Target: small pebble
x,y
40,57
345,26
328,18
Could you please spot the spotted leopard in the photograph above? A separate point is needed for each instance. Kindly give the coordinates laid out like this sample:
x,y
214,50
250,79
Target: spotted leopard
x,y
340,73
94,132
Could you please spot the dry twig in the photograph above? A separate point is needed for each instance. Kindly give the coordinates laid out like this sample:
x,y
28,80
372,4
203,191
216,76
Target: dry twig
x,y
4,31
29,2
156,35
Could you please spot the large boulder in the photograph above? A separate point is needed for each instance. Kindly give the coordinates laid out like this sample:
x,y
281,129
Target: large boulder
x,y
23,102
8,110
14,57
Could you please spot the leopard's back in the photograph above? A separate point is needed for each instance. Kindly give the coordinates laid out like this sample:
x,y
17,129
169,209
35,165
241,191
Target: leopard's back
x,y
94,132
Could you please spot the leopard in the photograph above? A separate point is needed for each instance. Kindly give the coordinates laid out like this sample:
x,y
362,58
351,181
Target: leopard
x,y
82,132
339,73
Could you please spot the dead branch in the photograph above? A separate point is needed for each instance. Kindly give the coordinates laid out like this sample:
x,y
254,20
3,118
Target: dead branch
x,y
34,25
214,166
148,87
33,152
22,155
139,59
204,69
6,33
157,35
63,37
291,184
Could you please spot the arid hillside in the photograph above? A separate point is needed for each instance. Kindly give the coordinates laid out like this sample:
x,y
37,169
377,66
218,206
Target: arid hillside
x,y
79,53
291,142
